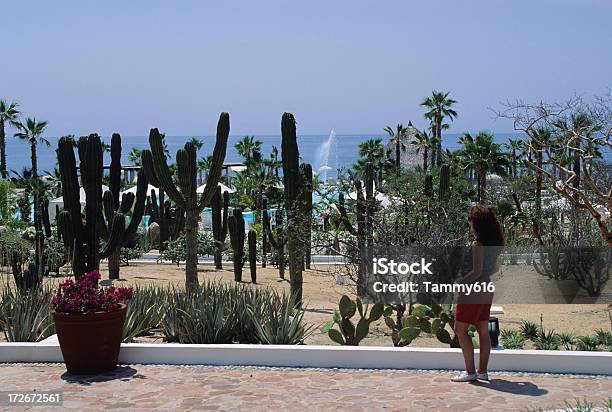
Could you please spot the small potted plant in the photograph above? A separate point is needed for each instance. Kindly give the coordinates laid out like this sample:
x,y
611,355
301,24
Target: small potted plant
x,y
89,323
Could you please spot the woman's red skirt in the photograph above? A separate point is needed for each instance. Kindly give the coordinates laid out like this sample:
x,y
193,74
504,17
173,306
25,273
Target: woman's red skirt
x,y
472,312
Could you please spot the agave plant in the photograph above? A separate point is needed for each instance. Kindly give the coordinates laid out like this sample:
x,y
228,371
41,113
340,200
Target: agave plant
x,y
26,315
281,324
144,311
512,339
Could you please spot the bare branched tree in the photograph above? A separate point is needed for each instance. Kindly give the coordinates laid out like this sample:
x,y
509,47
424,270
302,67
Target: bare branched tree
x,y
562,143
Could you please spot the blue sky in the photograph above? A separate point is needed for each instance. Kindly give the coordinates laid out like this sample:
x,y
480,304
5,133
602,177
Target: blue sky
x,y
355,66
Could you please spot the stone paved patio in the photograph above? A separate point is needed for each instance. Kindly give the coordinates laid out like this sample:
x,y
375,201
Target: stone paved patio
x,y
187,388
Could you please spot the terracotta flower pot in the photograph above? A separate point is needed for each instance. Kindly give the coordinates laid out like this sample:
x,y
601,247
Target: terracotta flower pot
x,y
90,342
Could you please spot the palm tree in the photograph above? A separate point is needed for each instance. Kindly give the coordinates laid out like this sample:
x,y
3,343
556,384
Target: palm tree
x,y
514,145
198,143
440,108
274,160
8,114
135,156
481,154
248,147
32,132
396,138
372,152
428,144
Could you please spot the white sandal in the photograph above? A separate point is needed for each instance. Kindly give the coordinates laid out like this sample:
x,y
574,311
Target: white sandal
x,y
464,377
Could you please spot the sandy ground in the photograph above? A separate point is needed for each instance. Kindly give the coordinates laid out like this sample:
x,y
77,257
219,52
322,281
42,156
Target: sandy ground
x,y
322,294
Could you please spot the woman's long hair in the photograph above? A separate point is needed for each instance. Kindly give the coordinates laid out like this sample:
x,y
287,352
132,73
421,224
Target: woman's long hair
x,y
488,230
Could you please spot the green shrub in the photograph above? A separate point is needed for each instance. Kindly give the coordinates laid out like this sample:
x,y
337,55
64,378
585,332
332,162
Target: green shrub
x,y
176,250
26,315
130,253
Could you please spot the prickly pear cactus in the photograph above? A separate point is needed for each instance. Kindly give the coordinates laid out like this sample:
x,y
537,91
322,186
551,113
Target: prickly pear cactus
x,y
348,333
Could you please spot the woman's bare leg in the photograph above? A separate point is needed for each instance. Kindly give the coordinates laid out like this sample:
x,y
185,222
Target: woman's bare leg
x,y
461,329
485,345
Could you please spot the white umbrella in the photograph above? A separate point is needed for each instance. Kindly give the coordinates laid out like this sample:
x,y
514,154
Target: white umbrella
x,y
221,185
60,201
380,197
133,190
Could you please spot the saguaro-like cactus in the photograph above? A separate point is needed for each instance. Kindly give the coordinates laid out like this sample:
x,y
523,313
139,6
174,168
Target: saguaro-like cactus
x,y
277,240
183,190
264,234
113,205
306,171
428,185
171,223
443,191
293,182
236,231
219,224
253,255
104,216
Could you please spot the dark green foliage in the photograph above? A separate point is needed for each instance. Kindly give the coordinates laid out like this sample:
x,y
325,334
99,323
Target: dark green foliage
x,y
219,224
348,333
253,255
236,231
182,189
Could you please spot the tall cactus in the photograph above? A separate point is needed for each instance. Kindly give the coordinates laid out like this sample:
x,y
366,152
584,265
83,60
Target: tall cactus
x,y
443,191
105,216
293,182
170,223
306,172
253,255
182,190
113,205
277,240
428,185
264,234
236,231
219,224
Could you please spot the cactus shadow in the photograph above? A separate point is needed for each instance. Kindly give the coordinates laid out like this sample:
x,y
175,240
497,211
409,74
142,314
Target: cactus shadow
x,y
515,388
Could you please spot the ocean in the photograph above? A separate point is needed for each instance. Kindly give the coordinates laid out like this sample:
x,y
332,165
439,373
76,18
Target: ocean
x,y
337,151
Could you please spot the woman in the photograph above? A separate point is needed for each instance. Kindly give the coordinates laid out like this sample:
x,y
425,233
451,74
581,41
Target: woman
x,y
481,262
